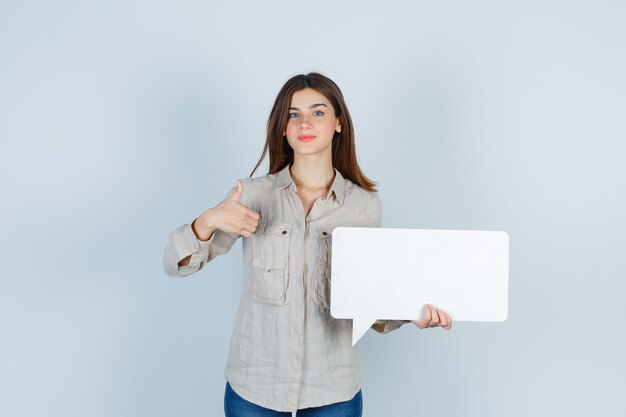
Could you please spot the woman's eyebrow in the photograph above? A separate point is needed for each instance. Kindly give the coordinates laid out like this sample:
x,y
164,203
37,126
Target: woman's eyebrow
x,y
310,107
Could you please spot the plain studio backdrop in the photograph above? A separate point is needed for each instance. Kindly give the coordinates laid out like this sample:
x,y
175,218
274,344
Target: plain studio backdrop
x,y
120,121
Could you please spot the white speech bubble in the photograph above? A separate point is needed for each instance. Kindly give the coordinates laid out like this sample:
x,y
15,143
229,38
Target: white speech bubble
x,y
384,273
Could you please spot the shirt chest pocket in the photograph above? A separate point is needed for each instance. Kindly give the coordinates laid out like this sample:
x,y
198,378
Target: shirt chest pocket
x,y
321,281
270,265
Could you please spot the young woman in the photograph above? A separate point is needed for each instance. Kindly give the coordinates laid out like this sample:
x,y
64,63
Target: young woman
x,y
287,353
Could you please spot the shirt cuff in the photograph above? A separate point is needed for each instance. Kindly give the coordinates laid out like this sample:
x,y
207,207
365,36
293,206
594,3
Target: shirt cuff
x,y
386,326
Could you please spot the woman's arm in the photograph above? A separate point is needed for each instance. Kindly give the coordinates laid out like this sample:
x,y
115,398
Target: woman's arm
x,y
213,233
185,261
433,317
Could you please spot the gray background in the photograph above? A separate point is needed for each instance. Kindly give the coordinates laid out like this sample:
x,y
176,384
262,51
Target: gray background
x,y
120,121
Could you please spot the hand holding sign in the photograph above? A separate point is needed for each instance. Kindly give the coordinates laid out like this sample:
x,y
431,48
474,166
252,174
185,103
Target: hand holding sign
x,y
380,273
433,317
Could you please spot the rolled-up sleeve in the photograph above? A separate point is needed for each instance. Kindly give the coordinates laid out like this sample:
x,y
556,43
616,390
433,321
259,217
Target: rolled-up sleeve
x,y
182,242
386,326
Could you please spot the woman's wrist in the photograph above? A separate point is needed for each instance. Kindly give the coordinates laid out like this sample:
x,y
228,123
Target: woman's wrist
x,y
202,231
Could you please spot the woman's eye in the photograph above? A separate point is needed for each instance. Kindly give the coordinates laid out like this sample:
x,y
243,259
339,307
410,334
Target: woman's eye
x,y
315,113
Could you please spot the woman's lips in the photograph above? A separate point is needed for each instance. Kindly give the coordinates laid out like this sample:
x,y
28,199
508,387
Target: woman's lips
x,y
306,138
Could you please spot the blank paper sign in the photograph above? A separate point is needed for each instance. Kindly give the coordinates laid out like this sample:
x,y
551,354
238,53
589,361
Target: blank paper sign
x,y
384,273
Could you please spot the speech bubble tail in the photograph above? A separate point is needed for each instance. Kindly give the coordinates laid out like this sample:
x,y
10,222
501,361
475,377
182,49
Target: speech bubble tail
x,y
359,327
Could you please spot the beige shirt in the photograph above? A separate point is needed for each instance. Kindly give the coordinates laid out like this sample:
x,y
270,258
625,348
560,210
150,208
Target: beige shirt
x,y
286,351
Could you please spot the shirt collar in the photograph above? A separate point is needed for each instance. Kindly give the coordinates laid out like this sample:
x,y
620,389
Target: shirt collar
x,y
283,179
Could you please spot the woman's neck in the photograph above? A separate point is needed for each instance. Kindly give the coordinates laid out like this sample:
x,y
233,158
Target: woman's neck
x,y
313,173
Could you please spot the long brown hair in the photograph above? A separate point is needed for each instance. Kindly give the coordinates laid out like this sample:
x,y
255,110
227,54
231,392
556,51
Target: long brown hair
x,y
343,148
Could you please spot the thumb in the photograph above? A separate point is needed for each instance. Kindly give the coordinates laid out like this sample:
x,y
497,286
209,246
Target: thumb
x,y
237,193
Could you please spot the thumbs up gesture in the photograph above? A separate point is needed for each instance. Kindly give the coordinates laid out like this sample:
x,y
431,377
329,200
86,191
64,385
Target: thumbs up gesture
x,y
230,216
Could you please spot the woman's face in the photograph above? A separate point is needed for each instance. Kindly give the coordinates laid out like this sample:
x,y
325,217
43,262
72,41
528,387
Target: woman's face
x,y
311,124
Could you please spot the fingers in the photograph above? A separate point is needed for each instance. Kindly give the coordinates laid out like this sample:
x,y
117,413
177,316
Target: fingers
x,y
245,233
246,224
250,224
235,197
433,317
238,218
253,214
251,219
445,320
249,227
448,322
434,321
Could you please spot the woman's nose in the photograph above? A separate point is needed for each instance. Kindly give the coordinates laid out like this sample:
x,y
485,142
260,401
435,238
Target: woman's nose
x,y
305,124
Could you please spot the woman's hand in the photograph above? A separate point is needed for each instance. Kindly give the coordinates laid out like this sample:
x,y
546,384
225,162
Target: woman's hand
x,y
230,217
433,317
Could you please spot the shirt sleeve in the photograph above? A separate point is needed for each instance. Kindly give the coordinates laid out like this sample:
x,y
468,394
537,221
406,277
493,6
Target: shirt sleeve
x,y
374,218
386,326
182,242
373,211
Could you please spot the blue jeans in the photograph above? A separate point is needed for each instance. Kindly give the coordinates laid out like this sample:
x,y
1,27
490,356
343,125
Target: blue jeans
x,y
235,406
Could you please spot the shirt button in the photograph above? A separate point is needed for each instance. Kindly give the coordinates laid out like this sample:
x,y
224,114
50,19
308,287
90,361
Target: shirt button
x,y
284,232
325,233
